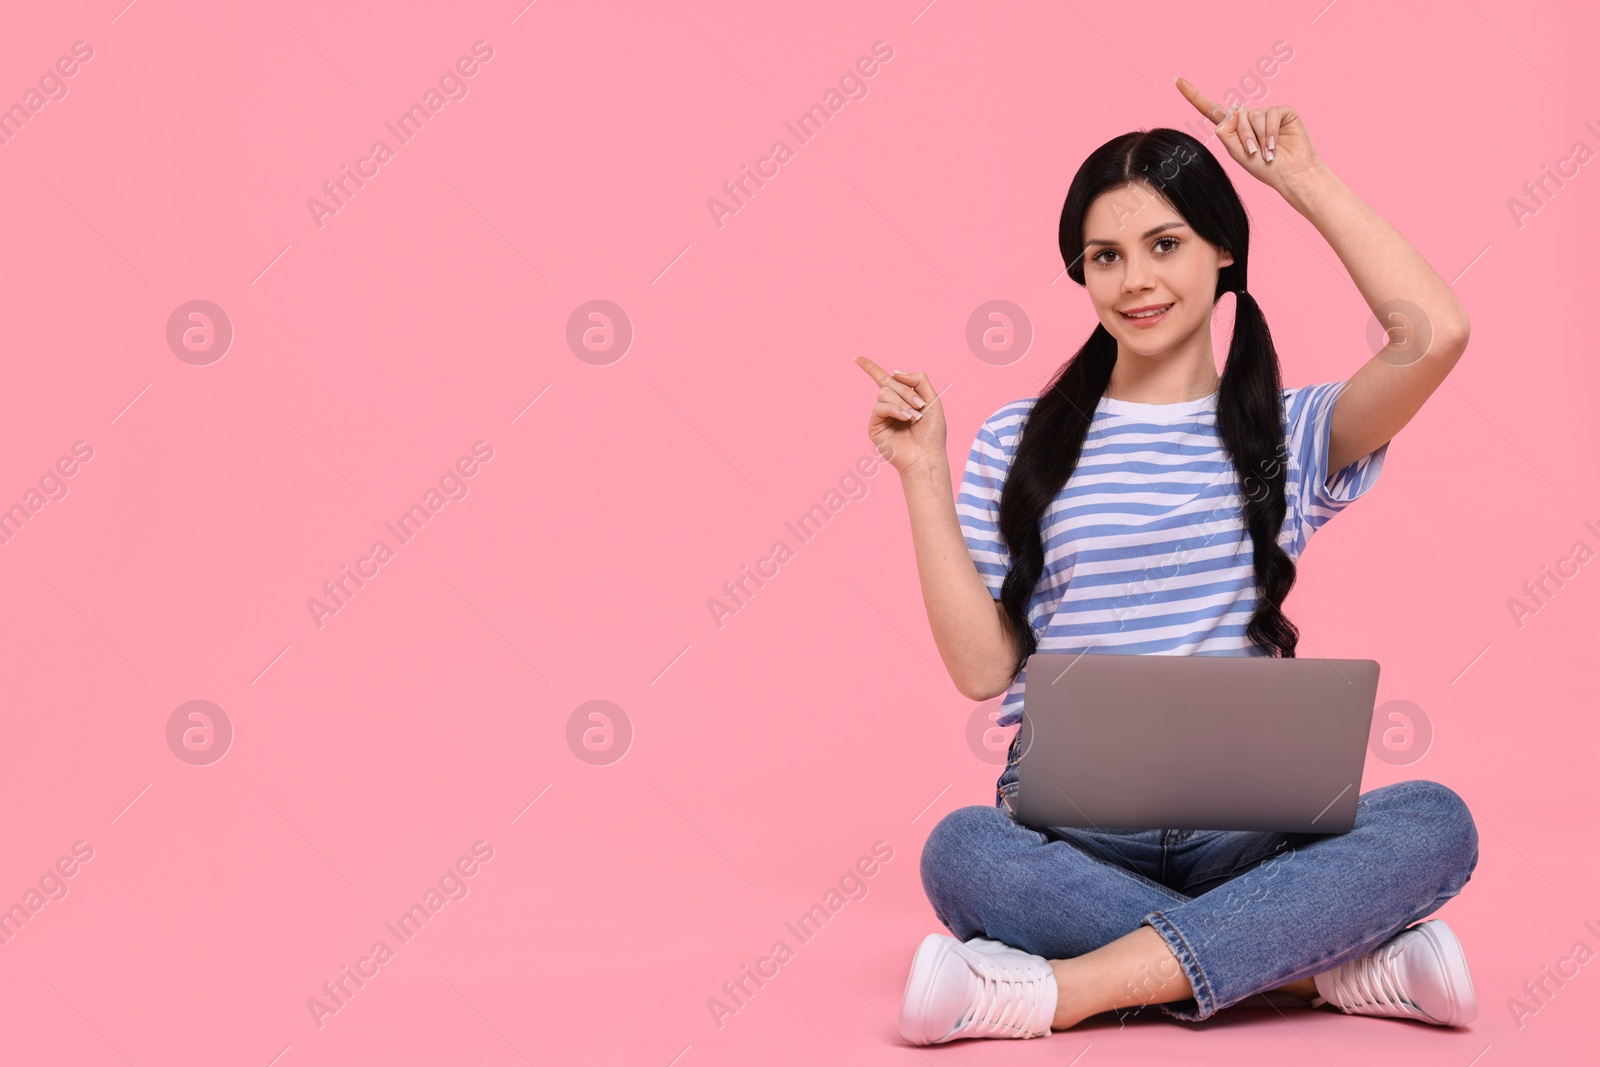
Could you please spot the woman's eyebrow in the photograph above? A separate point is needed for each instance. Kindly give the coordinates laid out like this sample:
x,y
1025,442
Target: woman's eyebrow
x,y
1151,232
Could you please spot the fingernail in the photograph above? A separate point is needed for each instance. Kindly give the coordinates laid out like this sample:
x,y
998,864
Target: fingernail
x,y
918,401
1251,144
1268,154
1272,142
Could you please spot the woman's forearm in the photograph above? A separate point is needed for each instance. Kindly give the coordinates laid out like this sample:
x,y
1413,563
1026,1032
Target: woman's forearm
x,y
971,631
1426,324
1382,263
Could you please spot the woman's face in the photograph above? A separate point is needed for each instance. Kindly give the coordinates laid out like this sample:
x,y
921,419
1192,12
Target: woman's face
x,y
1139,254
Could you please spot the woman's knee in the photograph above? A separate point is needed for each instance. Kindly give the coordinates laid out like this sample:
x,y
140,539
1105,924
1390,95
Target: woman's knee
x,y
1444,817
1441,805
960,835
960,844
956,859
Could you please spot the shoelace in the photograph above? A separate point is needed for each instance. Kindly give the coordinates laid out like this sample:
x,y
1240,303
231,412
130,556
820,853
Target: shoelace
x,y
1368,985
1010,999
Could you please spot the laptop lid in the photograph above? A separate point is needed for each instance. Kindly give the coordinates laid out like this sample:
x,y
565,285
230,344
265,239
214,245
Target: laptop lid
x,y
1118,741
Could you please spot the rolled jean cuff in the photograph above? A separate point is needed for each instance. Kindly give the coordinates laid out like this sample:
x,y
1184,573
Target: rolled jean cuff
x,y
1204,998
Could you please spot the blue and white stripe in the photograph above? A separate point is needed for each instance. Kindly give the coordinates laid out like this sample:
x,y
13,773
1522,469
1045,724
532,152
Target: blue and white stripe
x,y
1146,551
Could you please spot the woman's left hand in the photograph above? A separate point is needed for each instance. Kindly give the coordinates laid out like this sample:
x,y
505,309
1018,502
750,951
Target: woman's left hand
x,y
1272,143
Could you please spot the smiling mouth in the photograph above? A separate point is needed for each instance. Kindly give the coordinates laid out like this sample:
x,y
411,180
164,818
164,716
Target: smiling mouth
x,y
1141,314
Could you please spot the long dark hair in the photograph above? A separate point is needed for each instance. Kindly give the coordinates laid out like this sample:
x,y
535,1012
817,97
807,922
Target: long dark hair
x,y
1249,404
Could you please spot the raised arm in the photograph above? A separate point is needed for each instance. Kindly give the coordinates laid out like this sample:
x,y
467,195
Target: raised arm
x,y
1427,326
970,628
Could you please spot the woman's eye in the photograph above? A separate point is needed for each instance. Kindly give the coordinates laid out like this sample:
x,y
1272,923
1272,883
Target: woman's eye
x,y
1163,245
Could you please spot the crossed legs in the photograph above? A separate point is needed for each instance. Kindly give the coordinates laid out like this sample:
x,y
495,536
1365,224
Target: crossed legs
x,y
1116,938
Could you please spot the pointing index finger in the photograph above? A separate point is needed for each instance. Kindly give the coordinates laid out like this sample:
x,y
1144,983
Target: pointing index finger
x,y
1203,103
877,373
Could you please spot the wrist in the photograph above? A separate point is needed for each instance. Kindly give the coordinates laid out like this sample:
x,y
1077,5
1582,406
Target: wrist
x,y
1306,188
932,465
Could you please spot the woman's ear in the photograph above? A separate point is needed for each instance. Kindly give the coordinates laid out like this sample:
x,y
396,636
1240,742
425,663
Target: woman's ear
x,y
1224,258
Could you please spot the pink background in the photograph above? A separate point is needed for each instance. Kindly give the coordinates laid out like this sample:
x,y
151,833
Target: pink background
x,y
766,755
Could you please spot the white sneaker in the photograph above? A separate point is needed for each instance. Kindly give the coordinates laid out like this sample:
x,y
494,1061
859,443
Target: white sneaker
x,y
1419,973
982,988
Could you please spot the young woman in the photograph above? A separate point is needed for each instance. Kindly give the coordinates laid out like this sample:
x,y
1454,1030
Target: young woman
x,y
1143,504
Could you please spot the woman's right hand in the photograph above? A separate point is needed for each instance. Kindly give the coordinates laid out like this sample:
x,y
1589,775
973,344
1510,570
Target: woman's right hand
x,y
907,423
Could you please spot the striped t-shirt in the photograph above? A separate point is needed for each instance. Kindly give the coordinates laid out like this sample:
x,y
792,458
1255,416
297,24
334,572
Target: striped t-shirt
x,y
1143,551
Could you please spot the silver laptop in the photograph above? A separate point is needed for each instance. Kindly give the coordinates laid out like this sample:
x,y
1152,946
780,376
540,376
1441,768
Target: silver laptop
x,y
1116,741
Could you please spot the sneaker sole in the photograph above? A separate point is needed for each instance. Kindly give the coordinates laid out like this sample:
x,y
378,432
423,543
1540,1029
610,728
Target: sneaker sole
x,y
1457,979
919,986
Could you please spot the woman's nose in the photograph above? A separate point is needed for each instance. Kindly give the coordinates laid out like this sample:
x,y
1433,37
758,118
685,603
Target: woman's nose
x,y
1136,275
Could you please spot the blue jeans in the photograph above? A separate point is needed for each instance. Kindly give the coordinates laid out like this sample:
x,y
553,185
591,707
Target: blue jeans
x,y
1243,911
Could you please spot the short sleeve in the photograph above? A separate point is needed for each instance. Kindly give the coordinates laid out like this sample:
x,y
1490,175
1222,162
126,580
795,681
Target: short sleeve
x,y
978,503
1310,428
